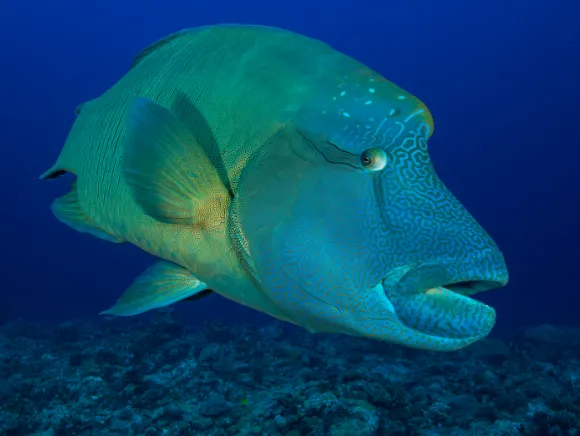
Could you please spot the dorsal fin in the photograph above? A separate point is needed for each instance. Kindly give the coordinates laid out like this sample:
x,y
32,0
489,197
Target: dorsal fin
x,y
157,45
79,108
163,41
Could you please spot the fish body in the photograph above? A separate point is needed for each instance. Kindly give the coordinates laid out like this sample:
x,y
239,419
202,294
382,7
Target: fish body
x,y
282,174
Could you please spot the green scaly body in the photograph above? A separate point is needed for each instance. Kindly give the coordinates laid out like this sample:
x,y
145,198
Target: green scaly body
x,y
245,81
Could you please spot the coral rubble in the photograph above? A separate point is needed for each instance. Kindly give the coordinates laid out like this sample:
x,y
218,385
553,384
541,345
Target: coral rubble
x,y
162,377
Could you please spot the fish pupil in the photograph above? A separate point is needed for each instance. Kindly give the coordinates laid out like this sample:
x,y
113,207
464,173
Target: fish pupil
x,y
366,159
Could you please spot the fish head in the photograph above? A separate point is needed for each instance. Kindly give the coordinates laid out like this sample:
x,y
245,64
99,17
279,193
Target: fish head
x,y
350,230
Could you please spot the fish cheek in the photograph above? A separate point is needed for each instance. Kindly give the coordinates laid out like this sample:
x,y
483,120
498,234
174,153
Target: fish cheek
x,y
309,282
268,187
265,195
286,242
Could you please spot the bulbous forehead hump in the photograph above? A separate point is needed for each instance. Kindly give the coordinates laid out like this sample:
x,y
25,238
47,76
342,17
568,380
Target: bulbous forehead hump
x,y
367,110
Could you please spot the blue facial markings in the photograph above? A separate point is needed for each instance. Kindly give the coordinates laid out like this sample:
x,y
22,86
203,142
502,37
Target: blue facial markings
x,y
368,111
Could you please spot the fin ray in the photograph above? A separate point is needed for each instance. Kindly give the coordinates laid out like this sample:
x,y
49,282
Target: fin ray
x,y
68,211
168,171
162,284
151,48
53,172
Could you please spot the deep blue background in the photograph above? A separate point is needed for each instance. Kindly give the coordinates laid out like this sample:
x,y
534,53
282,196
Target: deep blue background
x,y
500,77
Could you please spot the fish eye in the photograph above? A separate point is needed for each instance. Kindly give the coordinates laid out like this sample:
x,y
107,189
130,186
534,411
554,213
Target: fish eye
x,y
373,159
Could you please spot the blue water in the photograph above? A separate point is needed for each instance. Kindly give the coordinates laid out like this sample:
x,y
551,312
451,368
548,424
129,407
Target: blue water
x,y
501,79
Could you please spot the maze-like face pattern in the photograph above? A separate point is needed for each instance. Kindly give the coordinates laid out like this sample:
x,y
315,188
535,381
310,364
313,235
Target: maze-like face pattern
x,y
331,240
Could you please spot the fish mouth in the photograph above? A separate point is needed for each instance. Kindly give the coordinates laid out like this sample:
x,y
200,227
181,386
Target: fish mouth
x,y
433,299
470,287
466,277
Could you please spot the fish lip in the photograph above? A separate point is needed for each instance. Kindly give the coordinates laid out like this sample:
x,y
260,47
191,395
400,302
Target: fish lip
x,y
457,338
470,287
466,276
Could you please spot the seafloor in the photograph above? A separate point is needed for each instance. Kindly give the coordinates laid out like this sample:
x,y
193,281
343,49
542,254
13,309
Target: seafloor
x,y
159,377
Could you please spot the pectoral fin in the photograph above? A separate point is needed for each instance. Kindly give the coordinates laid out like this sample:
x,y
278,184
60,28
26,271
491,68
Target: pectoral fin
x,y
169,172
162,284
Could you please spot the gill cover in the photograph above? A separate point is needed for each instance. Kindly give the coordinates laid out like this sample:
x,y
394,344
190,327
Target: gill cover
x,y
304,208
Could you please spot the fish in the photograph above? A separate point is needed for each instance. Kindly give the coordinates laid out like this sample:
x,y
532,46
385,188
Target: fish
x,y
268,167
